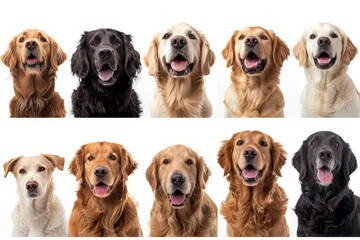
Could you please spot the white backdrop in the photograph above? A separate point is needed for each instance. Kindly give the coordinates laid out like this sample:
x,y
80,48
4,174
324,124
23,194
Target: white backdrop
x,y
65,21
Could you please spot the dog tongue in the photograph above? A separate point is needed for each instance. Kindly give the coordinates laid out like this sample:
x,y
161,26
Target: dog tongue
x,y
106,75
179,66
324,60
250,173
177,199
32,61
101,190
324,175
251,62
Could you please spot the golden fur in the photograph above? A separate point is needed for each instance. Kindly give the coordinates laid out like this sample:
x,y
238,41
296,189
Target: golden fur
x,y
256,206
255,94
180,95
33,58
107,214
197,216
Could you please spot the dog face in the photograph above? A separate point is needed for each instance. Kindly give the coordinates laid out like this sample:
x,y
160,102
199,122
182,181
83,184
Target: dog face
x,y
324,46
105,55
177,171
254,50
324,157
251,156
102,165
34,174
179,51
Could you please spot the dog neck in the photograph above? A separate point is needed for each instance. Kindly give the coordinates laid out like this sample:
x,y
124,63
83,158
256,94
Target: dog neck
x,y
324,78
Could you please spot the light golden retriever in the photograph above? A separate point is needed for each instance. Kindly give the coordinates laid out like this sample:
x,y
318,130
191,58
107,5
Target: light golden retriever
x,y
33,58
39,212
325,53
179,57
255,56
103,207
177,176
256,204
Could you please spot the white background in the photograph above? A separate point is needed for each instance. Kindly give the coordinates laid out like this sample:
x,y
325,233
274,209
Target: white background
x,y
65,21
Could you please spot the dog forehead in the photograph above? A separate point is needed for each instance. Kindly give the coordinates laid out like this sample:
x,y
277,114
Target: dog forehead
x,y
250,136
253,31
32,162
322,29
177,153
180,28
99,148
32,33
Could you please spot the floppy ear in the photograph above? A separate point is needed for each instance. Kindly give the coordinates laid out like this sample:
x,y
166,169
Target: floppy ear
x,y
278,155
80,65
349,50
225,157
76,166
300,53
229,51
128,165
152,173
9,58
151,58
9,166
203,172
349,162
56,160
207,56
299,161
132,57
57,55
280,51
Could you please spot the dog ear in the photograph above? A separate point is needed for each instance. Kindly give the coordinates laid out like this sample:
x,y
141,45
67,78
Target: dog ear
x,y
9,165
56,160
80,65
203,172
9,58
151,59
349,50
225,156
229,51
278,155
207,56
57,55
132,57
349,162
299,161
280,50
300,52
127,164
152,173
76,166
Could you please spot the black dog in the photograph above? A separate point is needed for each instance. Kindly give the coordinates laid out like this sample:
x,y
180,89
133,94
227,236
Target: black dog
x,y
327,207
107,64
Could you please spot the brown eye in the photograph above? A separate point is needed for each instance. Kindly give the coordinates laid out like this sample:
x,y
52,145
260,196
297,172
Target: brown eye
x,y
166,36
41,169
312,36
263,143
116,42
90,158
22,171
240,142
312,143
22,39
192,36
165,161
241,37
337,144
43,39
94,43
263,37
189,161
112,157
334,35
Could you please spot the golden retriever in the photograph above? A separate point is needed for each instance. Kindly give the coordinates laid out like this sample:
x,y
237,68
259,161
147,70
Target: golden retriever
x,y
325,52
255,56
179,57
256,204
177,176
33,58
103,207
39,212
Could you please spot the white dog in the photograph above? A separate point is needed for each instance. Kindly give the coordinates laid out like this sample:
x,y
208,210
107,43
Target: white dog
x,y
39,212
325,53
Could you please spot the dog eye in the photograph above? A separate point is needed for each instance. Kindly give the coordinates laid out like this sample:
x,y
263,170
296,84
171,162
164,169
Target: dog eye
x,y
189,161
312,36
165,161
116,42
90,158
334,35
94,43
241,37
22,171
240,142
43,39
263,37
112,157
22,39
166,36
41,169
312,143
337,144
263,143
192,36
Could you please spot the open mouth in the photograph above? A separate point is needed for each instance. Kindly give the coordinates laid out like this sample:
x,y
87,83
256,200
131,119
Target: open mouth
x,y
324,61
33,62
179,66
324,175
101,189
250,175
106,73
252,64
177,199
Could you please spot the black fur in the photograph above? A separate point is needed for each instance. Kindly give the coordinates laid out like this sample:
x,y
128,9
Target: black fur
x,y
331,210
105,49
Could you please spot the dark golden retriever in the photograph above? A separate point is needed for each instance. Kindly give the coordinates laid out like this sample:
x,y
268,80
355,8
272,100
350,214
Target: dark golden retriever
x,y
256,204
181,208
103,206
33,58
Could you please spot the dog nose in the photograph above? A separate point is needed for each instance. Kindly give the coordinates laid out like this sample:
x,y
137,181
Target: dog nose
x,y
177,179
325,155
251,41
31,44
323,41
249,153
100,172
178,42
31,185
105,53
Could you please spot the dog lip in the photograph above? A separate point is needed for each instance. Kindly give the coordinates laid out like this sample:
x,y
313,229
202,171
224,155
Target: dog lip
x,y
324,175
254,178
32,61
177,199
101,189
324,61
252,64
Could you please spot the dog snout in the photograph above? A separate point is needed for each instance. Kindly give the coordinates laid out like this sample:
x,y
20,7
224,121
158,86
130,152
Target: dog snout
x,y
324,41
100,172
178,42
251,41
177,180
249,153
325,155
31,45
31,185
106,53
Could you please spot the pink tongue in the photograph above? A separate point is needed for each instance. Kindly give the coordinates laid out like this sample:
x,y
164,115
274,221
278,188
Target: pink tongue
x,y
324,176
324,60
106,75
250,173
101,190
32,61
251,63
177,199
179,66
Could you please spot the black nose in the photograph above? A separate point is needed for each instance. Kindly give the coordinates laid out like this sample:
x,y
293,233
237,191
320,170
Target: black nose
x,y
325,155
100,172
177,179
178,42
105,53
31,44
31,185
251,41
324,41
249,153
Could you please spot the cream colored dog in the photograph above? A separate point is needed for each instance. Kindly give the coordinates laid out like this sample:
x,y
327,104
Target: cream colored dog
x,y
39,212
325,53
